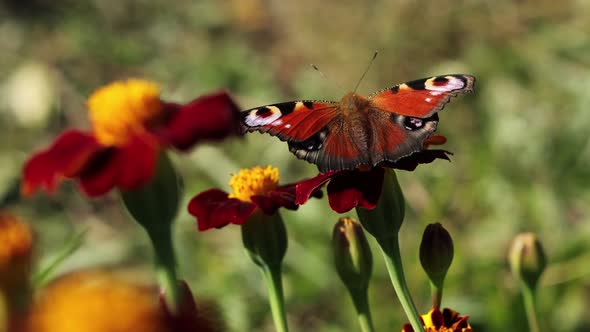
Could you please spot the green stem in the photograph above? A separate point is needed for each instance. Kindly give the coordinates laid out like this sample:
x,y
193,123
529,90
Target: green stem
x,y
529,306
166,268
361,304
436,293
40,278
393,262
274,284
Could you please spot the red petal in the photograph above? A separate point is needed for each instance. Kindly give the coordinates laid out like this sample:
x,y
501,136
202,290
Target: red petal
x,y
407,328
434,139
355,188
67,156
437,318
462,323
214,209
187,318
137,162
127,167
210,117
309,187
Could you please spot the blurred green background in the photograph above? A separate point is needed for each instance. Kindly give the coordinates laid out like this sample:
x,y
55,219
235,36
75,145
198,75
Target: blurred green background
x,y
521,143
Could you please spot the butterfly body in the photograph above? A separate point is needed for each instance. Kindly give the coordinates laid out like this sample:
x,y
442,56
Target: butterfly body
x,y
360,131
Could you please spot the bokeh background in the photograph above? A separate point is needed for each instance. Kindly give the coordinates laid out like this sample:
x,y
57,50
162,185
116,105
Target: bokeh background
x,y
521,143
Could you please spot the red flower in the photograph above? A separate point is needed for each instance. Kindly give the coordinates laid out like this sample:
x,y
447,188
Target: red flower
x,y
362,187
253,189
130,124
446,321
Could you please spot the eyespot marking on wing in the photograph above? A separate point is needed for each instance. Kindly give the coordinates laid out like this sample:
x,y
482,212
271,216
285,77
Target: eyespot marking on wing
x,y
262,116
444,83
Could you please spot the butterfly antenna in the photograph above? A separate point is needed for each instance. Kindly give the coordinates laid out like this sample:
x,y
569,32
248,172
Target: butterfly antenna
x,y
316,68
366,71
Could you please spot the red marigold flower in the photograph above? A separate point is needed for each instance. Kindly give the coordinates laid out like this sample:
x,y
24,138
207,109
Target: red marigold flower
x,y
362,187
446,321
253,189
130,124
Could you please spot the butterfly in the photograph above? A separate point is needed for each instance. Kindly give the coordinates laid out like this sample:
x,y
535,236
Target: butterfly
x,y
360,131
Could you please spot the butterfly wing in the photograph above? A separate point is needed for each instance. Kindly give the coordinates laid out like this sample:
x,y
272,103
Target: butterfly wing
x,y
290,121
394,136
314,130
403,117
424,97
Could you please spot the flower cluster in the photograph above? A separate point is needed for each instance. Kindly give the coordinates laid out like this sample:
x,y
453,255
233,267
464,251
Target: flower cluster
x,y
132,127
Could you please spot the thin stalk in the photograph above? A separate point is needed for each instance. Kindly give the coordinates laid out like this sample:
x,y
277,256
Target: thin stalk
x,y
529,305
361,304
274,284
436,293
166,269
393,262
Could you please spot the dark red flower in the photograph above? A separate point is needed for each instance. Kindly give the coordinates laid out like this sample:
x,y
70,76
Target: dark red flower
x,y
253,189
447,320
130,124
189,317
362,187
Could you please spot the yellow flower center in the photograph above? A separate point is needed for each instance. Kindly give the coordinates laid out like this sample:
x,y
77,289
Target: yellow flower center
x,y
121,109
254,181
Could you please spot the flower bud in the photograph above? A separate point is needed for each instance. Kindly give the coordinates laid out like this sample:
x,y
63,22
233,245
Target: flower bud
x,y
352,254
527,259
155,205
436,253
385,221
265,238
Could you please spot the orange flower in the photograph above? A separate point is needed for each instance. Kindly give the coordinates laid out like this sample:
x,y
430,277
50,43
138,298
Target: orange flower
x,y
97,301
130,123
16,243
107,301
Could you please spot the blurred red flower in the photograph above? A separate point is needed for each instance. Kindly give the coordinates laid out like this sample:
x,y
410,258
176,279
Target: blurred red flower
x,y
130,124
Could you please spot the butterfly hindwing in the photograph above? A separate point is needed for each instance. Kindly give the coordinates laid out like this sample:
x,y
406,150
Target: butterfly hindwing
x,y
343,145
395,136
424,97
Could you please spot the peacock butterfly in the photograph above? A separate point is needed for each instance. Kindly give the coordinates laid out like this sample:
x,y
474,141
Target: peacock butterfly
x,y
360,131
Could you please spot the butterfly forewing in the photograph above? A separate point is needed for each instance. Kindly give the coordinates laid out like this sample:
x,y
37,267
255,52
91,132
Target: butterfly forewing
x,y
290,121
424,97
